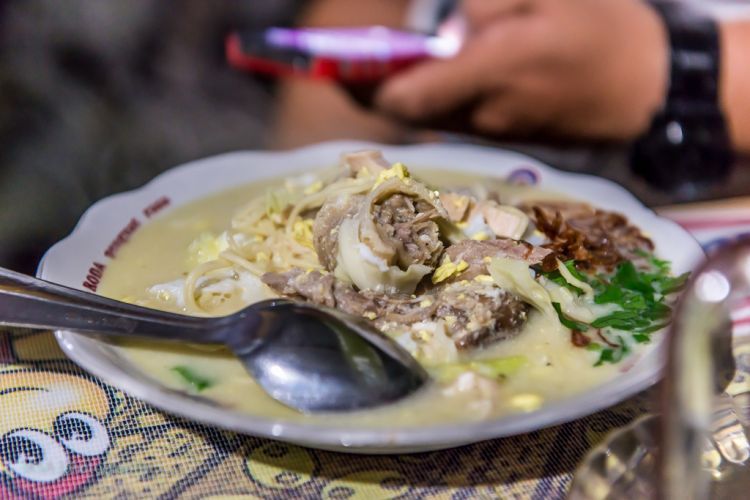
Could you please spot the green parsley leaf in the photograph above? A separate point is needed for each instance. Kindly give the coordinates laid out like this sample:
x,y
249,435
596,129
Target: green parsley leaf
x,y
622,320
613,355
642,338
628,277
671,285
662,265
571,267
558,278
659,310
606,356
198,382
640,296
653,328
568,323
610,295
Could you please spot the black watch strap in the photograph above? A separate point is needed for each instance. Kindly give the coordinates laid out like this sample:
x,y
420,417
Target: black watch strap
x,y
687,145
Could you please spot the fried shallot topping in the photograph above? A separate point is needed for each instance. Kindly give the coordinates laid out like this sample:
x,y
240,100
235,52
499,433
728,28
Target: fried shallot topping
x,y
593,238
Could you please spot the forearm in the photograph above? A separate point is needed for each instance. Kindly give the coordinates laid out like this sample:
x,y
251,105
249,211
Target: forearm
x,y
311,111
735,81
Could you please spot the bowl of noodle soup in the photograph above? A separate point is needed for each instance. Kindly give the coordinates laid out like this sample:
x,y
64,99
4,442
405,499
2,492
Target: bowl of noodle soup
x,y
446,248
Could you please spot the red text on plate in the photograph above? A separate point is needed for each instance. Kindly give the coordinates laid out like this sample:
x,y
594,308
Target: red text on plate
x,y
156,206
122,238
94,276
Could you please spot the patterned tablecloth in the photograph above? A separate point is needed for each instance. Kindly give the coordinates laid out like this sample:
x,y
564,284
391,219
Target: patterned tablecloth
x,y
65,433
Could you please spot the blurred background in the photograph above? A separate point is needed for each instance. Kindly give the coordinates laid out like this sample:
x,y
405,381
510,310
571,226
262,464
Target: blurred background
x,y
98,97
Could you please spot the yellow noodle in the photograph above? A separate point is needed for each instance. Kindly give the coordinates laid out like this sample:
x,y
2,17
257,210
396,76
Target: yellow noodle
x,y
242,262
232,241
346,186
191,281
266,240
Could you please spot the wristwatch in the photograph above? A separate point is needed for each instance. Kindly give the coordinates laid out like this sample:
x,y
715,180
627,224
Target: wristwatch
x,y
687,145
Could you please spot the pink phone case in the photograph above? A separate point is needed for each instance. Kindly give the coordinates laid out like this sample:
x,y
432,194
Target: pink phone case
x,y
351,55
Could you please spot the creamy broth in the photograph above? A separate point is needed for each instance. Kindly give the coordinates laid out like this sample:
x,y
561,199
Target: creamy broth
x,y
554,369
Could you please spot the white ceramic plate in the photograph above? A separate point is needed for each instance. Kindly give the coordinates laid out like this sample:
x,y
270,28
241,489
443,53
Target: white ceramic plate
x,y
73,262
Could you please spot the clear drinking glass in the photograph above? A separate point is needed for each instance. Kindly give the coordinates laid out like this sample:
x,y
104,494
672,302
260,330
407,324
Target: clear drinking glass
x,y
699,446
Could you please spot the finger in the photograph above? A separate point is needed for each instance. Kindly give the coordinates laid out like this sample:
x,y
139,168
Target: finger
x,y
510,116
493,117
480,12
434,88
505,115
516,115
361,93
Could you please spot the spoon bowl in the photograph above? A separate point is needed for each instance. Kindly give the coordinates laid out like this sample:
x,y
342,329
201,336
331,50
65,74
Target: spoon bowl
x,y
316,359
309,358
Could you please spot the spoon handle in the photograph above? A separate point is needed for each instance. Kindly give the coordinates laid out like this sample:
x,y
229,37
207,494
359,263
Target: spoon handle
x,y
30,302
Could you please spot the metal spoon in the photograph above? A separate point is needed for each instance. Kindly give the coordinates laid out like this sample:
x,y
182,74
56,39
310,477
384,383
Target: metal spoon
x,y
306,357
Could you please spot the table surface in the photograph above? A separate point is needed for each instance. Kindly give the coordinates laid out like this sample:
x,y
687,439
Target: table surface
x,y
140,451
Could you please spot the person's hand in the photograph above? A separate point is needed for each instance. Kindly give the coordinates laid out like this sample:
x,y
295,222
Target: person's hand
x,y
573,69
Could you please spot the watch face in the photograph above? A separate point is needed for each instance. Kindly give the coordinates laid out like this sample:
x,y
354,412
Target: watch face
x,y
676,153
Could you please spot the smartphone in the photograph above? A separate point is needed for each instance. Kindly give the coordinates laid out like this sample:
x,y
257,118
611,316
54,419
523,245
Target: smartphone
x,y
347,55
